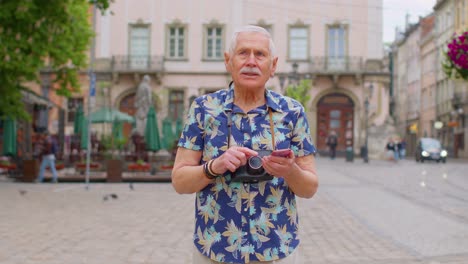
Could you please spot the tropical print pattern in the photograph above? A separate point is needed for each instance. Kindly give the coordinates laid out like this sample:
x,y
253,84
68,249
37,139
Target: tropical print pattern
x,y
242,222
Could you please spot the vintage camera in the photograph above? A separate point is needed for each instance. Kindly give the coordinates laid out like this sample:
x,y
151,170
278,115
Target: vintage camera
x,y
253,171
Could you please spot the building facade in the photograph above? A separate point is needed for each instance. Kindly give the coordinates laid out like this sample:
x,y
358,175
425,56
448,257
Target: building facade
x,y
337,46
428,103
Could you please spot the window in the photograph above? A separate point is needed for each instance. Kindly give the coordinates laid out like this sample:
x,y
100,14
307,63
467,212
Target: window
x,y
298,43
139,47
72,107
214,42
176,104
176,42
336,47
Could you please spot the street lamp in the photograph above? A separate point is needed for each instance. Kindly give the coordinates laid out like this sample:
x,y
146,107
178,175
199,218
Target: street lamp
x,y
365,152
292,77
365,148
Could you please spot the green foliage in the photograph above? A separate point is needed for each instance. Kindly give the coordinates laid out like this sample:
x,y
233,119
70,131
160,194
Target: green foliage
x,y
36,34
300,92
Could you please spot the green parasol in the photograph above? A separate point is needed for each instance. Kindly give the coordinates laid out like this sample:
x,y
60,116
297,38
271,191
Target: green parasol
x,y
84,134
168,133
9,137
78,122
152,131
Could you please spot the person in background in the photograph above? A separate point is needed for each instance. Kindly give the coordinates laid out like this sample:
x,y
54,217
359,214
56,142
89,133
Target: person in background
x,y
402,148
332,142
240,221
48,149
392,149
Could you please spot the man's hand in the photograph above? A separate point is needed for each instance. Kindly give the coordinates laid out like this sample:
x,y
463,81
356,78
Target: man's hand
x,y
232,159
277,165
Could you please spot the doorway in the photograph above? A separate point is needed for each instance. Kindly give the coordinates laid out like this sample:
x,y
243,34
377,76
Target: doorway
x,y
335,112
127,105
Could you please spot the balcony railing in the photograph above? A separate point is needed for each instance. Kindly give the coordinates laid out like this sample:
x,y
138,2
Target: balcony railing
x,y
344,64
127,63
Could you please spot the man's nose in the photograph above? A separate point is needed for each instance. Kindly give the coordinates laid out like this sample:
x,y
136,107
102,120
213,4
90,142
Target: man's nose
x,y
251,59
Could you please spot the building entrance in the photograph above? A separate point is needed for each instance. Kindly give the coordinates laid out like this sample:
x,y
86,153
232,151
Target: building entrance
x,y
127,105
335,112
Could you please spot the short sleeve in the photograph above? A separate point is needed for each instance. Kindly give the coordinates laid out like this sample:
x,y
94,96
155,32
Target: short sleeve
x,y
301,142
193,132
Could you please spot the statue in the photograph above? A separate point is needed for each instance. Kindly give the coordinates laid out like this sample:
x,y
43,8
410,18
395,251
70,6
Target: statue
x,y
143,101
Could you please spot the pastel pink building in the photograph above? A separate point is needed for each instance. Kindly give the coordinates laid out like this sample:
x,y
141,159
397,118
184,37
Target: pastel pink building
x,y
180,45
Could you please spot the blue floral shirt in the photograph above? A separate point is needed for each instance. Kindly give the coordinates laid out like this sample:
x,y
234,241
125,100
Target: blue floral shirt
x,y
241,222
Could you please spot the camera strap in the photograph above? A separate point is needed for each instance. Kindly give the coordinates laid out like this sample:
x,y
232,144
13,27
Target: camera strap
x,y
272,130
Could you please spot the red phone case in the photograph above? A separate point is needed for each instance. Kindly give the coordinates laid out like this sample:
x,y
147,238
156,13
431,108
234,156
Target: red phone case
x,y
281,153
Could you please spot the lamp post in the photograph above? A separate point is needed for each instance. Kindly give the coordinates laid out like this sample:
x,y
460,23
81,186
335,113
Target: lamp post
x,y
365,154
292,78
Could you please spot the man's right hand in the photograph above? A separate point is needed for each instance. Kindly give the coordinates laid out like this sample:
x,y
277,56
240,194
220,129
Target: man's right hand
x,y
232,159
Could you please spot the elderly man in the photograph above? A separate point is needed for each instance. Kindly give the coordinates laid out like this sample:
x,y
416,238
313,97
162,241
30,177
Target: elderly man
x,y
245,199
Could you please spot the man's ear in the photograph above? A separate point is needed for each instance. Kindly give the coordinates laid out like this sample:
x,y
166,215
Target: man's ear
x,y
227,62
273,66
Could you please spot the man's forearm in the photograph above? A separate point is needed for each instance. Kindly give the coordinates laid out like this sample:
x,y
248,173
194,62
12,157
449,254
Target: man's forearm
x,y
189,179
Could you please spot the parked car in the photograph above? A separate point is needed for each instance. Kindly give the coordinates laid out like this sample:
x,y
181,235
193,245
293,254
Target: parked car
x,y
430,149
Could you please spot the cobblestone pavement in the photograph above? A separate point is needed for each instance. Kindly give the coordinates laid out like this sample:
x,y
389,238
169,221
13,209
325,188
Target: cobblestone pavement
x,y
351,220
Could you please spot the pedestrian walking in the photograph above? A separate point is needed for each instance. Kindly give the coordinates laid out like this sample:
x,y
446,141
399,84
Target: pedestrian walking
x,y
332,142
402,148
246,152
48,149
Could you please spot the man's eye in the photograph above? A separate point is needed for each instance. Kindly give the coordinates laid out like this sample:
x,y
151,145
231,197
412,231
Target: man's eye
x,y
260,54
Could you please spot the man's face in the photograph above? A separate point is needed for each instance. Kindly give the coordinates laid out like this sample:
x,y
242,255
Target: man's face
x,y
251,64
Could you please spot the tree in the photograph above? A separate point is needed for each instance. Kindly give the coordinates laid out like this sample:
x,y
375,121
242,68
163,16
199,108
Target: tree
x,y
42,33
300,92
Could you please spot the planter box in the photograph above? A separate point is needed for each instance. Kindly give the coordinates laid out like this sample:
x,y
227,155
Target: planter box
x,y
114,170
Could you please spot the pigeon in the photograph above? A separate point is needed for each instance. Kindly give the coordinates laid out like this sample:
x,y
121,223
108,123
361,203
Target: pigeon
x,y
113,196
22,192
130,186
105,197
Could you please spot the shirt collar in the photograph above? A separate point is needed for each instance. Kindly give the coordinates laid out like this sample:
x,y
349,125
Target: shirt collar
x,y
272,101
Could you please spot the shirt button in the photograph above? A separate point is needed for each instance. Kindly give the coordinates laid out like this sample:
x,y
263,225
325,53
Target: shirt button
x,y
246,209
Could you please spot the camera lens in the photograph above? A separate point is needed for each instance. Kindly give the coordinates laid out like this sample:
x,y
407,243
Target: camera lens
x,y
255,162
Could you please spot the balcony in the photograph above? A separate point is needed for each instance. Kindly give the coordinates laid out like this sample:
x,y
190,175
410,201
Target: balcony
x,y
129,64
344,65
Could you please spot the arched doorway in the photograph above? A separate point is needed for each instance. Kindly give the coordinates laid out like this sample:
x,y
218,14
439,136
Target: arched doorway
x,y
335,112
127,105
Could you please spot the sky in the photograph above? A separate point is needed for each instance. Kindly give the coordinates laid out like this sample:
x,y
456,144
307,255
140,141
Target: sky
x,y
394,12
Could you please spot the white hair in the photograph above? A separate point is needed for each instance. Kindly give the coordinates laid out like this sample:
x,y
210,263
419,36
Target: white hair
x,y
251,28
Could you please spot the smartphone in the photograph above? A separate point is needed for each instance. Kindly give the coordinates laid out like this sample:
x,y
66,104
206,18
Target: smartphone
x,y
281,153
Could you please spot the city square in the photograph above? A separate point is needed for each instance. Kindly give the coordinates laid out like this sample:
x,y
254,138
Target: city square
x,y
380,212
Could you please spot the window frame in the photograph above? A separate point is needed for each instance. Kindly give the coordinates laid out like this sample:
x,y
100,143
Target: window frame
x,y
174,113
206,38
71,112
177,26
307,39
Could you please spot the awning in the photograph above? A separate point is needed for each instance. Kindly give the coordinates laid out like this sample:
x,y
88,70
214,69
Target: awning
x,y
31,97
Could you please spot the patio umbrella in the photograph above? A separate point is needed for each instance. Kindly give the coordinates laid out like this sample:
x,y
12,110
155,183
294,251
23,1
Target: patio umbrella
x,y
152,131
178,128
9,137
84,134
168,133
117,130
78,122
110,115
